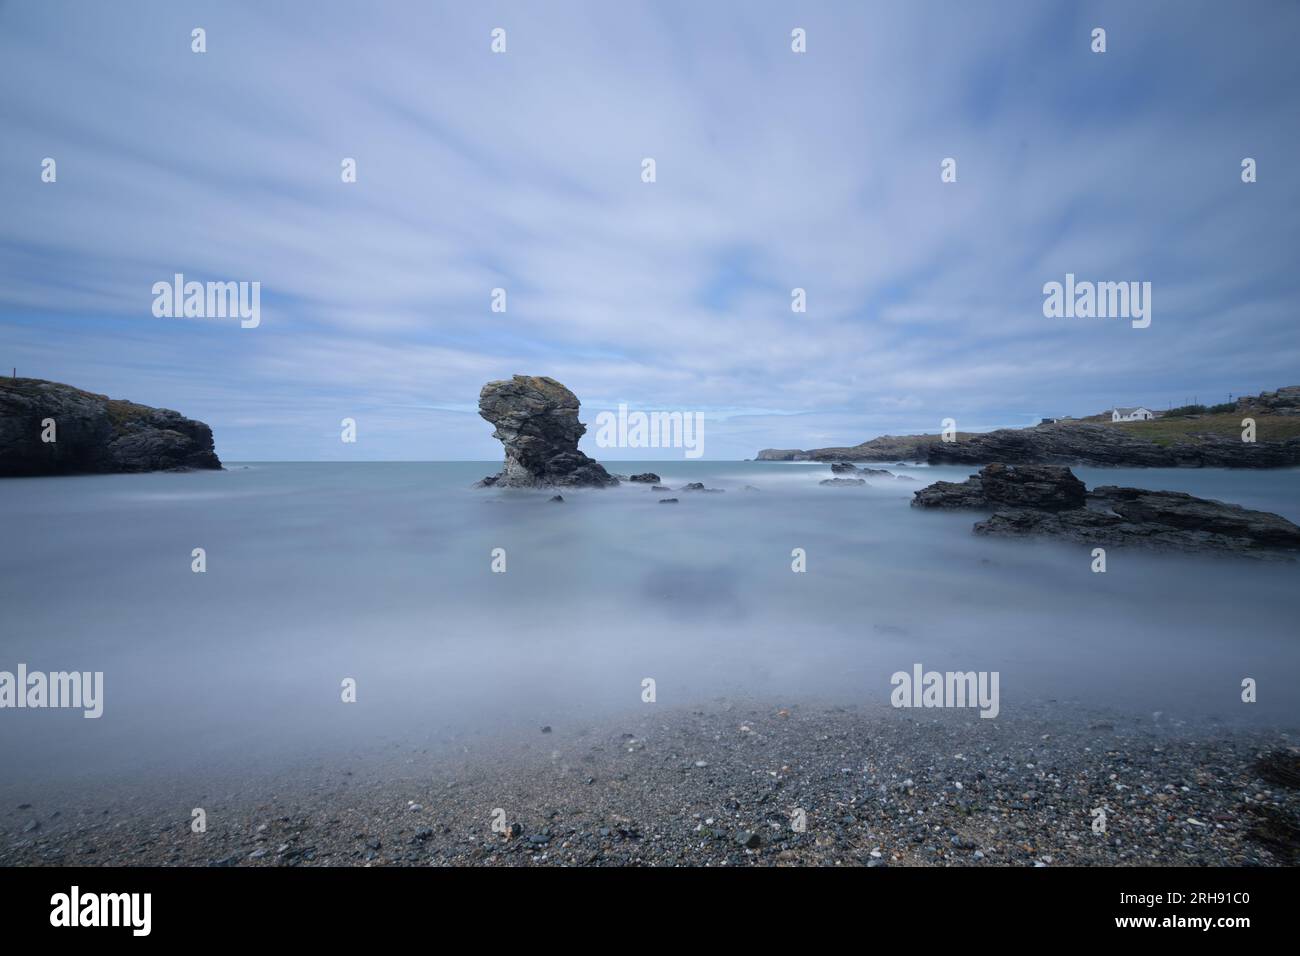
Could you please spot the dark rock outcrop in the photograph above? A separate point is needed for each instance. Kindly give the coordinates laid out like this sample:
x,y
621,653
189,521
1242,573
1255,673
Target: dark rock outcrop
x,y
648,477
1051,501
536,419
699,486
1285,401
847,468
1161,520
1048,487
94,434
1083,444
952,494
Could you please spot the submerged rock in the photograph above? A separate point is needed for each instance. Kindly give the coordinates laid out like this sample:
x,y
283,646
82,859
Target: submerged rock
x,y
93,433
536,419
1050,500
848,468
842,481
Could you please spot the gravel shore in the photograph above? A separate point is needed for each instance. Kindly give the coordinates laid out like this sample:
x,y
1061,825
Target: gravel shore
x,y
734,784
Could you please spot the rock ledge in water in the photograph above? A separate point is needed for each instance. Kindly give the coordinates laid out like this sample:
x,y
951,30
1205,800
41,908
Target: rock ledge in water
x,y
1050,500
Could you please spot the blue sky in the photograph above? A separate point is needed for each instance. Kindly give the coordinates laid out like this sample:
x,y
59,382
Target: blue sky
x,y
522,171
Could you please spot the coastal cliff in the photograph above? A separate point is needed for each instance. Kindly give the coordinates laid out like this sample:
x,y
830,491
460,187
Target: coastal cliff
x,y
48,428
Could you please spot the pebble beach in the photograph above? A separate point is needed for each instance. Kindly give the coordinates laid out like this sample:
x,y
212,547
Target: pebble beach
x,y
734,783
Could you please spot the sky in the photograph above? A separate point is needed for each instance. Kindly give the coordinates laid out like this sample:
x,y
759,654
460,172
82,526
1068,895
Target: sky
x,y
522,170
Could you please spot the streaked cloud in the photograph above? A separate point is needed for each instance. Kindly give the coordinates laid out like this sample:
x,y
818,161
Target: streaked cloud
x,y
522,171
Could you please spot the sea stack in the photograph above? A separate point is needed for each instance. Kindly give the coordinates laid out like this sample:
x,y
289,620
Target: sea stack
x,y
536,419
47,428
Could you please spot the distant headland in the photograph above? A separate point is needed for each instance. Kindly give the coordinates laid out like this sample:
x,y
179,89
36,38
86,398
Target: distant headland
x,y
1193,436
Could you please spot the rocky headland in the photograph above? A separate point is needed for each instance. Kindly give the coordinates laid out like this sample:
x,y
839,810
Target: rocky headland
x,y
1190,441
48,428
1048,500
1062,444
536,419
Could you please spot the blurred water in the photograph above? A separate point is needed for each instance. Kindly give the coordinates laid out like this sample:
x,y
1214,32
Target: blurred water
x,y
381,572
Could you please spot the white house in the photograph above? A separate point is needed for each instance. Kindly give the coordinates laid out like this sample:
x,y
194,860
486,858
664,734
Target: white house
x,y
1138,414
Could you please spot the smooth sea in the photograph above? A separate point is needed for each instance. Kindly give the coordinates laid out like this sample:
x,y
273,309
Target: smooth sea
x,y
382,573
